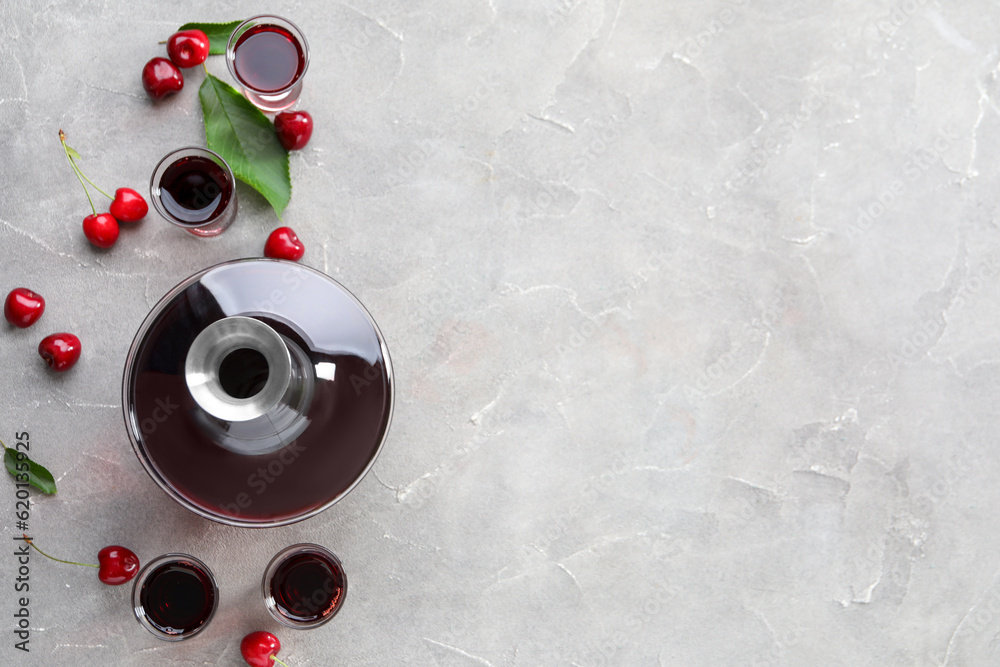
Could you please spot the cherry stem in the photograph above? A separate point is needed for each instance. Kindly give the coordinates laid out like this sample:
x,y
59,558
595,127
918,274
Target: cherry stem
x,y
80,171
278,661
62,138
60,560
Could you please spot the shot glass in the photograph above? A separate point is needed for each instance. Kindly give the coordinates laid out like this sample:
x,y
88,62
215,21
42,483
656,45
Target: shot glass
x,y
304,586
268,56
195,189
175,596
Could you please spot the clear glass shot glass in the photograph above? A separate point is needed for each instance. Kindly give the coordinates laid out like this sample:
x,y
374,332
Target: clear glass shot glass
x,y
195,189
304,586
268,56
175,596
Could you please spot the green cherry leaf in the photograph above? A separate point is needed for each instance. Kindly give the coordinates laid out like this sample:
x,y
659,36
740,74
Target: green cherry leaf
x,y
72,153
245,138
38,476
218,34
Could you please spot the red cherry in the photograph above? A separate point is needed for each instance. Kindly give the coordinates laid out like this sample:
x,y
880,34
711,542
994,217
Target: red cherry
x,y
284,244
188,48
260,648
160,78
128,206
117,565
23,307
294,129
101,229
60,351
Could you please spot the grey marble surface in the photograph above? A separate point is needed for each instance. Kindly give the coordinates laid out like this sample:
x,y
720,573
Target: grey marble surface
x,y
692,306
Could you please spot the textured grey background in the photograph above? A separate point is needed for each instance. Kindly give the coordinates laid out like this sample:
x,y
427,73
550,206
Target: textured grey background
x,y
692,306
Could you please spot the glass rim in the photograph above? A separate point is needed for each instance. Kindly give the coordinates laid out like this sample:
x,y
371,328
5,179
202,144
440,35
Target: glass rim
x,y
272,566
170,158
266,19
144,574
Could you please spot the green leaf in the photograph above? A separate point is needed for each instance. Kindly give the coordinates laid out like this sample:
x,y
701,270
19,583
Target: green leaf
x,y
245,138
38,476
72,153
218,34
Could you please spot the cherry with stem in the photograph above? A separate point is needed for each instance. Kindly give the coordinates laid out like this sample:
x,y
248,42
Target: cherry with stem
x,y
101,229
259,649
117,564
126,206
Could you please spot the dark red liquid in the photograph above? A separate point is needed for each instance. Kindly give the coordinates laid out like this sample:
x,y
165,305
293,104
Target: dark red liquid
x,y
308,587
178,597
347,417
195,189
243,373
268,58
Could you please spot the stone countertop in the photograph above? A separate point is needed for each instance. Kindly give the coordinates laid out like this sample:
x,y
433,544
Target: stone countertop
x,y
692,308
